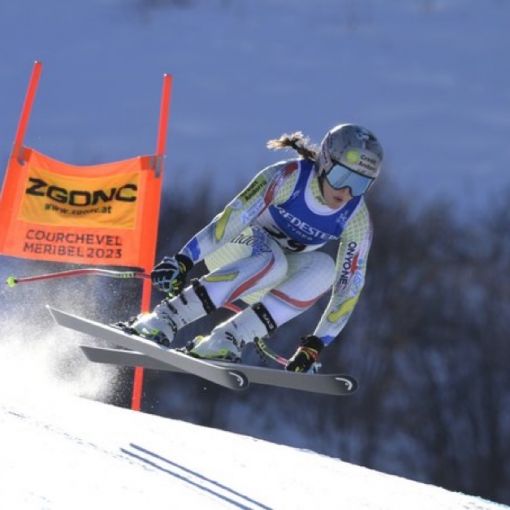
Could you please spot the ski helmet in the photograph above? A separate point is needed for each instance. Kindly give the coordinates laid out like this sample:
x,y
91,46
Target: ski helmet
x,y
350,156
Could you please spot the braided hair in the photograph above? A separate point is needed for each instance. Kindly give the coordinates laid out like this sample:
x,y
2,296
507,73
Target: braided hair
x,y
296,141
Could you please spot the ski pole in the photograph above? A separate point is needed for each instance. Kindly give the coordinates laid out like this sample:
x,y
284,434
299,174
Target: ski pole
x,y
264,350
12,281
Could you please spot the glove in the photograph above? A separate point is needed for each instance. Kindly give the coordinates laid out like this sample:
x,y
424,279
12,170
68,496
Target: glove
x,y
169,275
306,354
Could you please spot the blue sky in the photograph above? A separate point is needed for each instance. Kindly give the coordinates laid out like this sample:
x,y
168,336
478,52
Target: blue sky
x,y
429,77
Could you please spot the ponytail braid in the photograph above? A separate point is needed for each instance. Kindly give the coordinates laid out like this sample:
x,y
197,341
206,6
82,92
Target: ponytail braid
x,y
296,141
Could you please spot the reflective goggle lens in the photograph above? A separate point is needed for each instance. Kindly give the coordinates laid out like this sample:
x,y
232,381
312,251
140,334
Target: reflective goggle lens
x,y
341,177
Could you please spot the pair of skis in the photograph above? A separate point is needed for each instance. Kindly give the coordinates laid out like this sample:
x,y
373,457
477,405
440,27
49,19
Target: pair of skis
x,y
144,353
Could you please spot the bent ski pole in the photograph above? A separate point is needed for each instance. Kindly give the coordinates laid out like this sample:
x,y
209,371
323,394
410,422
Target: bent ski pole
x,y
12,281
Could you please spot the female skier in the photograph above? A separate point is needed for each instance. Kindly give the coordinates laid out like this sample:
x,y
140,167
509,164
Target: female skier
x,y
262,250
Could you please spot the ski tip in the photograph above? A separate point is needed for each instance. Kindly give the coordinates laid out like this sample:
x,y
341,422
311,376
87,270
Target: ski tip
x,y
52,311
56,315
239,379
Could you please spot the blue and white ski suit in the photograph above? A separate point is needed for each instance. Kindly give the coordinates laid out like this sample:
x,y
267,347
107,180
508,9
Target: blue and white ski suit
x,y
263,247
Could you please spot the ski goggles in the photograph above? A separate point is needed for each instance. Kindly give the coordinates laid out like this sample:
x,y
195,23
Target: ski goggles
x,y
340,176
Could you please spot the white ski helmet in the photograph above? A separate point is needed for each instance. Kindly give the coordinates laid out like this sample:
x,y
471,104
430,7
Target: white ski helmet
x,y
350,156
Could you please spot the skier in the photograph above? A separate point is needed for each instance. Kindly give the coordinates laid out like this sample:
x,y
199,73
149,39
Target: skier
x,y
261,250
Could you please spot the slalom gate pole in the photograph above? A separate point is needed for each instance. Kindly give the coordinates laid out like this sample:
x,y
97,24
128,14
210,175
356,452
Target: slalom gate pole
x,y
26,110
164,112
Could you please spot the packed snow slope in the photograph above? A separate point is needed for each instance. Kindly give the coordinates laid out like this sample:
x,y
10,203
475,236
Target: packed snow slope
x,y
59,451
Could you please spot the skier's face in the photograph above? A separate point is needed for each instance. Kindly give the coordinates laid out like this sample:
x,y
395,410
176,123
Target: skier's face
x,y
335,198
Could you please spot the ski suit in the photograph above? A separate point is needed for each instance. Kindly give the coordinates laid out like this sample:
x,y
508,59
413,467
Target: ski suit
x,y
262,247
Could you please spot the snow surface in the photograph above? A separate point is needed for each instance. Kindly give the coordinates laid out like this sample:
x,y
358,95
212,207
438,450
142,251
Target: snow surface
x,y
62,451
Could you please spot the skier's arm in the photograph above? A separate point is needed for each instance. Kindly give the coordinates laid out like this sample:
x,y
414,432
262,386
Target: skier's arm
x,y
350,276
238,214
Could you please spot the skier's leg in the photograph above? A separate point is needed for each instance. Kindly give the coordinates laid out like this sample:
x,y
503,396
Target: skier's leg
x,y
309,275
227,340
252,261
173,313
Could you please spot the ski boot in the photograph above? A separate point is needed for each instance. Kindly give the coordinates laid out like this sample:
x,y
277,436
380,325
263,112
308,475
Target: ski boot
x,y
162,324
158,326
220,346
227,340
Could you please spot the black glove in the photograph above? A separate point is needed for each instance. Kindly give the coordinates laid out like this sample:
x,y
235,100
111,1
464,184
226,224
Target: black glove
x,y
169,275
306,354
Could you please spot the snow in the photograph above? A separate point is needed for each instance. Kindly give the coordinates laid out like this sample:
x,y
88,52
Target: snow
x,y
62,451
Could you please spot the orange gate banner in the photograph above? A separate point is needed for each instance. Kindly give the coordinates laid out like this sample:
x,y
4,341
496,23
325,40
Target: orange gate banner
x,y
103,214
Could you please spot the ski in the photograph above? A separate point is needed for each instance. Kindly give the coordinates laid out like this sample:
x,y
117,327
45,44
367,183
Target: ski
x,y
329,384
227,376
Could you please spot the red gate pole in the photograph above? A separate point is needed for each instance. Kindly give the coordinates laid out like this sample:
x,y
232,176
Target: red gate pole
x,y
26,110
136,400
10,182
